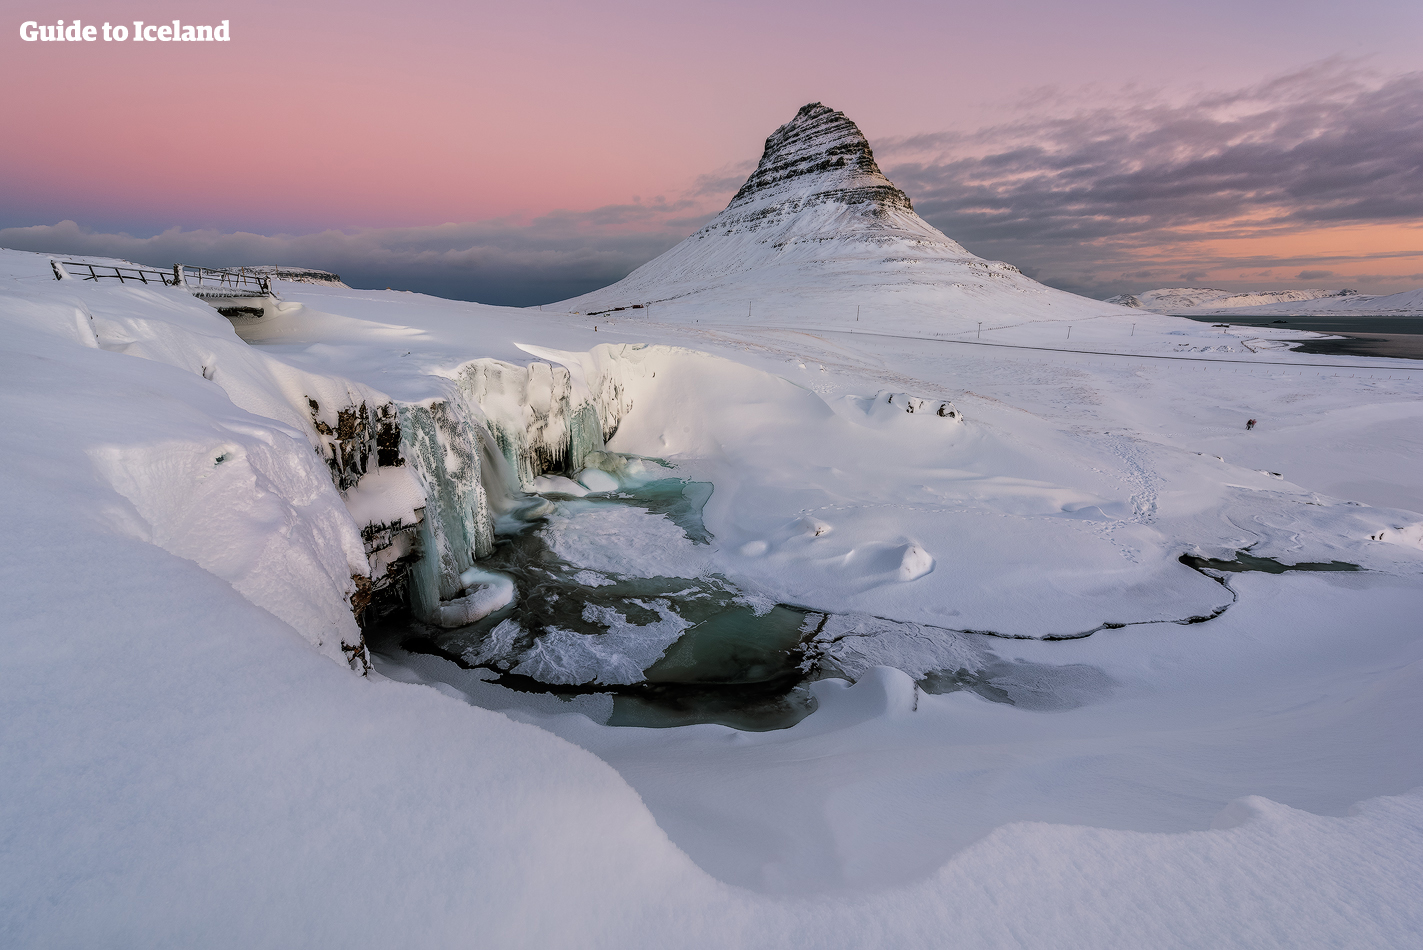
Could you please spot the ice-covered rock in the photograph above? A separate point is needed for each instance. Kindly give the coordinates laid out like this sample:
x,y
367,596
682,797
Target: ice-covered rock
x,y
923,406
485,592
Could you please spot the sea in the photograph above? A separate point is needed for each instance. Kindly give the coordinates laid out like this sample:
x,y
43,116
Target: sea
x,y
1400,337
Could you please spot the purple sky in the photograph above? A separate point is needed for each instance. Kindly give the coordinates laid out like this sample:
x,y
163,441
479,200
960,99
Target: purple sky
x,y
525,152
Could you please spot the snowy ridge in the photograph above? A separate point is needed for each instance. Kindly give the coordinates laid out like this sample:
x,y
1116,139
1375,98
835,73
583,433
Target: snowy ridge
x,y
297,275
1172,299
814,233
1265,303
1407,303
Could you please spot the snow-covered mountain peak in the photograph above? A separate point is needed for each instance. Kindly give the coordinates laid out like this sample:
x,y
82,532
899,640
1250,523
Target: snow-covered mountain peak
x,y
818,179
819,156
818,234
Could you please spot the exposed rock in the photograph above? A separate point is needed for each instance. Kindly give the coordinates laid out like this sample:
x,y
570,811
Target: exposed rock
x,y
1126,300
300,275
357,434
818,157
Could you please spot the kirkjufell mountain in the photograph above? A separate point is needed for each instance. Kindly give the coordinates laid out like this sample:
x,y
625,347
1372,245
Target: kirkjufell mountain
x,y
816,236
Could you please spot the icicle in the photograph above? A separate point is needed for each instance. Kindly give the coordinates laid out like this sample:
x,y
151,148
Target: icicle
x,y
446,448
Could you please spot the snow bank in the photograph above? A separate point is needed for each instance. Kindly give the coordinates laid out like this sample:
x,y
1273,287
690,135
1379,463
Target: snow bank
x,y
201,443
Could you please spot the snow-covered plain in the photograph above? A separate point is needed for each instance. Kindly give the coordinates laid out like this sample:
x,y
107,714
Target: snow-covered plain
x,y
186,765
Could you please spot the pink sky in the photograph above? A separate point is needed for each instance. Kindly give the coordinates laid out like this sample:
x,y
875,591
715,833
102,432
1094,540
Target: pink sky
x,y
365,114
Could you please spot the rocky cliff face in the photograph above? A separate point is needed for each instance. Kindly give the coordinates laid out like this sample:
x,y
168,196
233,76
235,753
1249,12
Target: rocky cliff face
x,y
819,157
818,181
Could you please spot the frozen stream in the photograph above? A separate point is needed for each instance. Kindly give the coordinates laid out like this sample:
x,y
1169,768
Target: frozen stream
x,y
642,636
616,617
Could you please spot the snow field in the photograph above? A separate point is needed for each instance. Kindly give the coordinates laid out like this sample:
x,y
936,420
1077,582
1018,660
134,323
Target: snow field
x,y
184,756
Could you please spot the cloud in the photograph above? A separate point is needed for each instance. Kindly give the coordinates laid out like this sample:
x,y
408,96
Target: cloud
x,y
1321,145
505,261
725,181
1122,195
1326,146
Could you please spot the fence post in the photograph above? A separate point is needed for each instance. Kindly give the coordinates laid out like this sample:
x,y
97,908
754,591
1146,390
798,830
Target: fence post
x,y
59,272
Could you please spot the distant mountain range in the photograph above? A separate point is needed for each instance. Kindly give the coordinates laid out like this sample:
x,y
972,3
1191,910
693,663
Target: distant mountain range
x,y
1274,302
1173,299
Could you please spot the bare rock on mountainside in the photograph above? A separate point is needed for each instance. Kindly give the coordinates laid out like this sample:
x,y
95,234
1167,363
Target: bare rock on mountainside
x,y
1126,300
818,233
819,157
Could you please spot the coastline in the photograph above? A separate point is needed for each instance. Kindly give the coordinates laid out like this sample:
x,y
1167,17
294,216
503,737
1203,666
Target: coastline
x,y
1396,337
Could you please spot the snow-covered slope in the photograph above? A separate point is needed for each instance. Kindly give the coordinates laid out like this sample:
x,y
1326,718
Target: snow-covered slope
x,y
1174,299
818,235
184,768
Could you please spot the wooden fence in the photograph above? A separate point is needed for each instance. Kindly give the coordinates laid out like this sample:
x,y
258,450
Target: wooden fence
x,y
198,279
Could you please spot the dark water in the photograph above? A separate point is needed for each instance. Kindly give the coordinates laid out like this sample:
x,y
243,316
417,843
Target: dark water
x,y
737,663
1394,345
1244,561
1400,337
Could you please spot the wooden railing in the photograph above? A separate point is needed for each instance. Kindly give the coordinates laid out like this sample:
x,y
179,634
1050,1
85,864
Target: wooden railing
x,y
224,279
182,275
141,275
